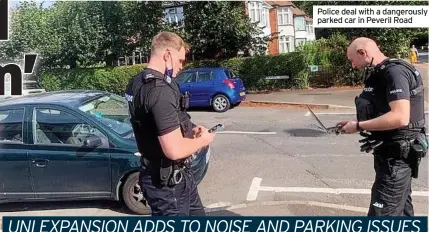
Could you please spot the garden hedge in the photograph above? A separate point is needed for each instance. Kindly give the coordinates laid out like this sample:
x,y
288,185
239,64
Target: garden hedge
x,y
328,54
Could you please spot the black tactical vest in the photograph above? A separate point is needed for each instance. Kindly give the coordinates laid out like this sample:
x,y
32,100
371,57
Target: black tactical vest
x,y
137,95
372,103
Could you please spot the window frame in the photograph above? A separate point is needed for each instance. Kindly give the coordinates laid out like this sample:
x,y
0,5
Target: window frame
x,y
285,12
304,41
190,73
32,125
287,41
197,79
23,125
309,28
301,20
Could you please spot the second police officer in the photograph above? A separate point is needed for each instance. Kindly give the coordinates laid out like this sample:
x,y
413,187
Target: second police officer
x,y
390,115
165,136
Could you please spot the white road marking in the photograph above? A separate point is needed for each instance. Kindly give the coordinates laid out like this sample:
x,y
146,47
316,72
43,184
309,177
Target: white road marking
x,y
333,155
246,132
336,113
254,189
329,190
280,203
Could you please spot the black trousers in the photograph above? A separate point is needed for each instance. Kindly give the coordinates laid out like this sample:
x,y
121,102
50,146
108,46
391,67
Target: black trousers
x,y
182,199
391,191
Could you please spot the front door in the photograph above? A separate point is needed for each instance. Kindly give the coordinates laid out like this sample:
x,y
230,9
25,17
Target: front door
x,y
15,180
62,165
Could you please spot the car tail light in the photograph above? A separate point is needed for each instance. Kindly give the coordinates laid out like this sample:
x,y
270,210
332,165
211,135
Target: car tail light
x,y
229,83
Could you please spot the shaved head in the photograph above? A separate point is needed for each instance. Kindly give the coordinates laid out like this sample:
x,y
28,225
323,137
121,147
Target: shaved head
x,y
362,50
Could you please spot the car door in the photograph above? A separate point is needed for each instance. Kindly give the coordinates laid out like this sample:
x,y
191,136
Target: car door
x,y
62,166
15,179
186,81
203,88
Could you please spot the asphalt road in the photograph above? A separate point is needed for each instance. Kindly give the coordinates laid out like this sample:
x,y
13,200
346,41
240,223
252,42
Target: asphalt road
x,y
290,162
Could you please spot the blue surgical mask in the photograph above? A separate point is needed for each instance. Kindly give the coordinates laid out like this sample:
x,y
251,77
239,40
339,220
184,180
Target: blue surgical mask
x,y
168,72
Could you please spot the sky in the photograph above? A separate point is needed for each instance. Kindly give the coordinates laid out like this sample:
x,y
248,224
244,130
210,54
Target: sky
x,y
14,3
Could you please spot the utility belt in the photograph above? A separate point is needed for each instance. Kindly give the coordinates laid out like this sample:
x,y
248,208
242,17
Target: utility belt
x,y
411,150
170,172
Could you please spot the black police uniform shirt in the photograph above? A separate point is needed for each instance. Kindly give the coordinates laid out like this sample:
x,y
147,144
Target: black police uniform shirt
x,y
157,108
384,86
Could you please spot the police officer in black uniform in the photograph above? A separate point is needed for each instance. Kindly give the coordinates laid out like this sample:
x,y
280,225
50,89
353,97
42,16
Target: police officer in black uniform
x,y
165,136
390,117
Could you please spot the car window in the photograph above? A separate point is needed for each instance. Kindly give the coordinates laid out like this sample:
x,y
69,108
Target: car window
x,y
230,74
51,126
112,111
187,77
204,76
11,129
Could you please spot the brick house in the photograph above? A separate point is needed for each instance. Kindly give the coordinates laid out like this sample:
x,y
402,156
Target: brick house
x,y
289,24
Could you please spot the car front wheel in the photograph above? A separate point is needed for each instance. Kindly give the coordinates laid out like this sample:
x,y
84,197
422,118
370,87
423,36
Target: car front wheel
x,y
133,196
221,103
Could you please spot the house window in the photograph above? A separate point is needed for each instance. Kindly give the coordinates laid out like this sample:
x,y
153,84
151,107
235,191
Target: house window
x,y
174,16
299,42
258,13
284,15
299,24
264,16
285,44
310,28
255,11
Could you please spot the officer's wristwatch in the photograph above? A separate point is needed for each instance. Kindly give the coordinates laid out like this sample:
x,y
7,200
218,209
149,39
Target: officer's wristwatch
x,y
358,128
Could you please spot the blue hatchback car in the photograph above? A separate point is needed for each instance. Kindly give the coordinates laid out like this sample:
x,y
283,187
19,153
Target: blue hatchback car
x,y
218,88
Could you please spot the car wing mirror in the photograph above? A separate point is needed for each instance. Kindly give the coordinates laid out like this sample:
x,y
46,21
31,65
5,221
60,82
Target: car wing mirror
x,y
92,141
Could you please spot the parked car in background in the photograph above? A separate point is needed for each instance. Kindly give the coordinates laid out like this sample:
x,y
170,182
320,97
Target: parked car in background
x,y
218,88
72,145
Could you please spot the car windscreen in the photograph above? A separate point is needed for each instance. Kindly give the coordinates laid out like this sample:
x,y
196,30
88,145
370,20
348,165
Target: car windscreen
x,y
112,111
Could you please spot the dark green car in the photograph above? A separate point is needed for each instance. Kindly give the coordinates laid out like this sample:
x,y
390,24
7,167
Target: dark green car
x,y
72,145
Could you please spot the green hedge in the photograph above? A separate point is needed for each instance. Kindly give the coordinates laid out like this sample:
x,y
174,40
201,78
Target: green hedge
x,y
253,70
328,54
113,80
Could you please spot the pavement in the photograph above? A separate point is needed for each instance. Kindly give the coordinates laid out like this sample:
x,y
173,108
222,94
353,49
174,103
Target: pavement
x,y
268,161
328,98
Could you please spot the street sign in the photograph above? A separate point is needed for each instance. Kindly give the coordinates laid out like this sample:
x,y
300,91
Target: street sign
x,y
314,68
276,77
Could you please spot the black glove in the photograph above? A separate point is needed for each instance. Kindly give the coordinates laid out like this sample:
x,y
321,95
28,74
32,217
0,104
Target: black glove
x,y
368,144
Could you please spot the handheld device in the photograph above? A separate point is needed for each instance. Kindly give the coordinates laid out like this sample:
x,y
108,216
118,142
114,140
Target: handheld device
x,y
335,129
217,128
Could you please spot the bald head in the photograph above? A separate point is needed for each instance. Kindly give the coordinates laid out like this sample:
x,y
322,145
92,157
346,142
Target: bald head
x,y
362,50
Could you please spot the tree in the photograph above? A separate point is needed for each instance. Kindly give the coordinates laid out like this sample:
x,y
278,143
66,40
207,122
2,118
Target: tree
x,y
220,29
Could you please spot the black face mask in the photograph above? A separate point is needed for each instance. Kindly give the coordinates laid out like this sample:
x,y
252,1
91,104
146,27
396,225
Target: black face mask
x,y
368,70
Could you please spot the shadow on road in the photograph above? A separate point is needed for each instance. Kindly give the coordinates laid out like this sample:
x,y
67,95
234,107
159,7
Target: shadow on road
x,y
302,132
65,205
